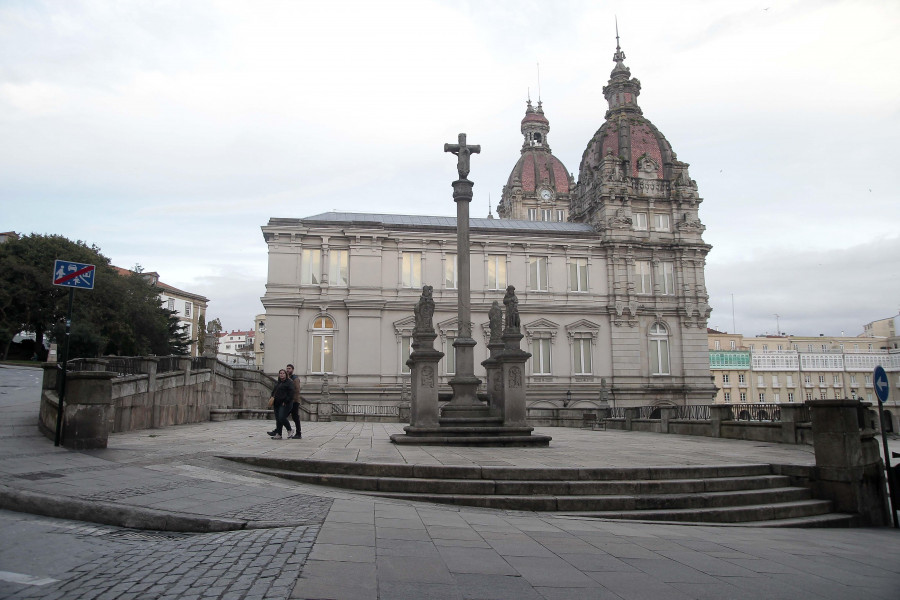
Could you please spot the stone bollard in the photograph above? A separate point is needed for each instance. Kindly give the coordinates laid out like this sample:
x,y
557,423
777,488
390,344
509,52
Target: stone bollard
x,y
632,413
790,417
717,414
512,361
849,469
666,414
86,414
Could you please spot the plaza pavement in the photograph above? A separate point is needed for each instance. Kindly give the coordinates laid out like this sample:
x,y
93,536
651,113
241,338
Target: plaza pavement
x,y
366,547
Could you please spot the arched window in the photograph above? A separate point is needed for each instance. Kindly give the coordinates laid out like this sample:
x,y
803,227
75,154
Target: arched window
x,y
659,349
322,345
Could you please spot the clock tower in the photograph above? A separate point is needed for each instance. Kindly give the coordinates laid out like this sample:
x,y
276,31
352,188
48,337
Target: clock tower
x,y
539,187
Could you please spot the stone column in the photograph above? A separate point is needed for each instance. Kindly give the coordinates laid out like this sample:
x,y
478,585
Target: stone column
x,y
849,469
464,383
512,364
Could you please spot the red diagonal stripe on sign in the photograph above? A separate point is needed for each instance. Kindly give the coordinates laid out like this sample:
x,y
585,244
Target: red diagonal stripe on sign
x,y
75,274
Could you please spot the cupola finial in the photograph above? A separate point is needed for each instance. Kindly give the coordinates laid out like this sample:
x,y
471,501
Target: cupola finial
x,y
619,56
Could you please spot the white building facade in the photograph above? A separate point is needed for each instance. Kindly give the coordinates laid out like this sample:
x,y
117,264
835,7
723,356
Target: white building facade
x,y
611,290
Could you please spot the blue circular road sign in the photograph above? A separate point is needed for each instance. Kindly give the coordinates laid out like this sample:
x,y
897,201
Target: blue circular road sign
x,y
881,383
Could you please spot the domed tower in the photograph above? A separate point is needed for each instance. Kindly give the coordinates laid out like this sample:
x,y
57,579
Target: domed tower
x,y
539,187
630,182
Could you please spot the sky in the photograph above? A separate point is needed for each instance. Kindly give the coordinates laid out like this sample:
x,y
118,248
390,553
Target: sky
x,y
167,133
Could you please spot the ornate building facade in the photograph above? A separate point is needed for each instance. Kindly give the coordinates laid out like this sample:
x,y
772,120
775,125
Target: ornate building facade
x,y
609,273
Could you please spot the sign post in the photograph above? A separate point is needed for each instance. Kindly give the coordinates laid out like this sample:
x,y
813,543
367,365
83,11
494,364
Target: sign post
x,y
71,275
882,389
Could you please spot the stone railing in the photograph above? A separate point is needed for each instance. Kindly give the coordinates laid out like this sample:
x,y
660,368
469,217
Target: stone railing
x,y
125,394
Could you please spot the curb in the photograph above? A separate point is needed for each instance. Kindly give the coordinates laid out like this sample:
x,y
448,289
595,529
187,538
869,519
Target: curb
x,y
108,513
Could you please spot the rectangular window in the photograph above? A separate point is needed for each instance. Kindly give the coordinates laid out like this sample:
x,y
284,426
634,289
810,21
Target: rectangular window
x,y
807,379
733,345
668,277
532,214
852,379
868,379
780,347
450,356
823,395
775,381
762,396
540,356
450,271
538,278
322,353
578,274
743,397
339,268
171,303
496,274
405,350
718,345
582,362
836,379
760,381
765,347
790,381
545,214
187,309
790,396
777,397
661,222
187,330
727,396
560,215
659,357
640,221
642,277
412,269
310,267
809,347
808,396
725,378
741,378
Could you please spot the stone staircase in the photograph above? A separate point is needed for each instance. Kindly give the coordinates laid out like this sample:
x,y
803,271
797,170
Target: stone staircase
x,y
736,494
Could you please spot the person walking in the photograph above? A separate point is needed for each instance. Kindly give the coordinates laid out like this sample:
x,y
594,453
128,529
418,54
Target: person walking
x,y
295,409
283,395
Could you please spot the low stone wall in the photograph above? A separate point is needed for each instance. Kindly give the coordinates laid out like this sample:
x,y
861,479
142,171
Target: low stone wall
x,y
147,399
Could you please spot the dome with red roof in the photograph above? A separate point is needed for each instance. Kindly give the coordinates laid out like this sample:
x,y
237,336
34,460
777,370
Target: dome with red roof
x,y
539,186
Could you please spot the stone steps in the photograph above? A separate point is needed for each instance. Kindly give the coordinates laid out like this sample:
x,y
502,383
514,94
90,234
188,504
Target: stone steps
x,y
731,494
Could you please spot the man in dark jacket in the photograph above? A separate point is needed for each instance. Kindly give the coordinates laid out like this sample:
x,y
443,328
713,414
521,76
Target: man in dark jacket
x,y
295,409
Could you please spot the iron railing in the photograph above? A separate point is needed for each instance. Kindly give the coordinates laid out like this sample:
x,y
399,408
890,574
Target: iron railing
x,y
693,412
756,412
378,410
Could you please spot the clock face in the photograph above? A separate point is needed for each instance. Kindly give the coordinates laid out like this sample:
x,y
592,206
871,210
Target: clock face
x,y
545,194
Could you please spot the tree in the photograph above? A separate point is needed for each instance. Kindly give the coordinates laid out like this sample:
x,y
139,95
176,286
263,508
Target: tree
x,y
121,315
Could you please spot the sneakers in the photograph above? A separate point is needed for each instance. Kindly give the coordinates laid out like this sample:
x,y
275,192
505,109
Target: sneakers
x,y
296,436
273,432
277,436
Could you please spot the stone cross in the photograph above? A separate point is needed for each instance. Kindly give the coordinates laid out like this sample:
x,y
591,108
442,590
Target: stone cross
x,y
462,151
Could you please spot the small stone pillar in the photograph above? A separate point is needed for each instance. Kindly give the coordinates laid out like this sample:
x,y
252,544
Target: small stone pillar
x,y
491,365
849,469
423,365
512,364
717,414
150,366
632,413
790,418
666,414
324,411
86,413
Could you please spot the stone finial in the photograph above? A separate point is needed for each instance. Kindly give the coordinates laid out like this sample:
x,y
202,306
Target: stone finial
x,y
512,310
424,311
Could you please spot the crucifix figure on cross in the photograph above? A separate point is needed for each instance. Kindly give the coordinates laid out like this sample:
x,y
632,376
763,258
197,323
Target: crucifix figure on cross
x,y
462,151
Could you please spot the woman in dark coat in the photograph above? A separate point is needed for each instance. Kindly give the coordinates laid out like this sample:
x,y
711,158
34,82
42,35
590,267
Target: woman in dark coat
x,y
284,397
